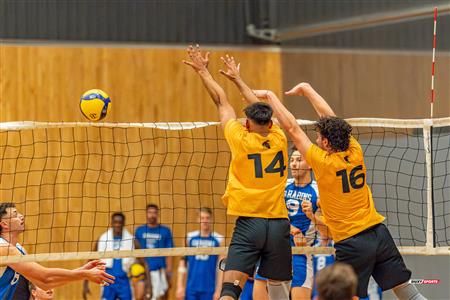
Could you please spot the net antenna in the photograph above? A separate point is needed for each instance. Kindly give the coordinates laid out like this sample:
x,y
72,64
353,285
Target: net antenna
x,y
433,63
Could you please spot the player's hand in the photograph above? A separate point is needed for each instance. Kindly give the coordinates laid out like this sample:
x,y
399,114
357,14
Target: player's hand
x,y
299,89
216,295
307,209
197,61
233,70
93,264
300,240
86,290
295,230
180,293
99,276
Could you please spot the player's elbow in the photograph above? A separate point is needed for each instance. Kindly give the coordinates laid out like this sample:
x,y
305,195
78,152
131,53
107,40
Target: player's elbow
x,y
44,283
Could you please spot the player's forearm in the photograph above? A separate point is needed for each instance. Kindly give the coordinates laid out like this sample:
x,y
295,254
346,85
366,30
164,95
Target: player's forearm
x,y
169,261
214,89
289,123
286,119
219,274
54,277
320,105
321,227
245,91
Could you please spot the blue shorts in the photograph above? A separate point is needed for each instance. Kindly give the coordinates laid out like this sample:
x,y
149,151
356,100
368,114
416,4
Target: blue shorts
x,y
302,272
196,295
120,289
247,292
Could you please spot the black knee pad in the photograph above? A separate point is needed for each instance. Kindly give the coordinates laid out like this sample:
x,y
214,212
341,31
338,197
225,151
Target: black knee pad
x,y
231,290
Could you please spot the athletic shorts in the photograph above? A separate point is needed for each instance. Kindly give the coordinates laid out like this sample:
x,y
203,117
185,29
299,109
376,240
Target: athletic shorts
x,y
261,239
302,272
373,252
120,289
196,295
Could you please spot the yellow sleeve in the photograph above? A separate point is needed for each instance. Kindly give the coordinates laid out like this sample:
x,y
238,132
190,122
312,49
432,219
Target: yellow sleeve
x,y
315,157
234,131
354,144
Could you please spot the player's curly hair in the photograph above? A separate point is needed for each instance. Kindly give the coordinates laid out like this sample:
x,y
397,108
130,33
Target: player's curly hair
x,y
336,130
259,112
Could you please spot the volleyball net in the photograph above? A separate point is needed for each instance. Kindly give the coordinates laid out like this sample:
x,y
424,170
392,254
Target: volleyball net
x,y
69,178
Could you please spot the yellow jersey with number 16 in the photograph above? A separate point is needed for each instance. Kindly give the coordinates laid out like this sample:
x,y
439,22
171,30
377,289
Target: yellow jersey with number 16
x,y
345,198
257,174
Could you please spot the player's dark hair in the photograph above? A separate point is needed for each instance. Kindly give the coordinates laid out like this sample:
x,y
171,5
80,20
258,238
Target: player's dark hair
x,y
336,282
294,148
259,112
336,130
3,207
206,210
154,206
118,214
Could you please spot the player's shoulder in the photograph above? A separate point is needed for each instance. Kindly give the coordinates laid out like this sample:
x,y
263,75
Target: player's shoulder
x,y
164,228
140,228
218,237
314,185
193,234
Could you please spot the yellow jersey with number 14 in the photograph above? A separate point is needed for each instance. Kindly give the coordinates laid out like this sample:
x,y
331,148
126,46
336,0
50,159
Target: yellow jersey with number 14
x,y
345,198
257,174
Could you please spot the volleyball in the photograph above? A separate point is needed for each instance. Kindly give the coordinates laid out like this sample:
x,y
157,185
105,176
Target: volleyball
x,y
95,104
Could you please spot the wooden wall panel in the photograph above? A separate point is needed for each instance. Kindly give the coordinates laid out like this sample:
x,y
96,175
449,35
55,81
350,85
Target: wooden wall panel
x,y
369,84
44,83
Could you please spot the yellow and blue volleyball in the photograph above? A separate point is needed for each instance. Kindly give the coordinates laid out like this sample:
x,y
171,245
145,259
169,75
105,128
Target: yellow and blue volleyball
x,y
137,272
95,104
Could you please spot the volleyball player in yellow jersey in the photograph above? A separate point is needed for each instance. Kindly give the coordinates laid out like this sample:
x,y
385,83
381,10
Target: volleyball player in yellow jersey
x,y
337,160
255,192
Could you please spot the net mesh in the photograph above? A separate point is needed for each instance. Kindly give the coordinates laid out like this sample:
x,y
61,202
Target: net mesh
x,y
68,180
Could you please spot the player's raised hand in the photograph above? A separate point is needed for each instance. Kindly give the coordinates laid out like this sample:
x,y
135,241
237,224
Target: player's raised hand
x,y
196,60
299,89
99,276
233,70
307,209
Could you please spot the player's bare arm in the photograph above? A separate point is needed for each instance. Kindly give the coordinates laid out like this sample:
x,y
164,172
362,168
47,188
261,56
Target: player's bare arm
x,y
316,219
320,105
233,74
49,278
181,278
199,63
287,120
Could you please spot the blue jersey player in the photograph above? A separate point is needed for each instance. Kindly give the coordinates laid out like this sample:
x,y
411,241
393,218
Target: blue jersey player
x,y
115,238
12,224
300,189
202,282
155,235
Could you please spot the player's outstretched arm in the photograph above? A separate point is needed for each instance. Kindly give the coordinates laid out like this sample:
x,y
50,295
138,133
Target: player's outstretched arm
x,y
49,278
320,105
200,64
233,74
286,120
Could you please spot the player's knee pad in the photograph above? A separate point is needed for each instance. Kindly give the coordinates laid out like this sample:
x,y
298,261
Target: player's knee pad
x,y
279,289
231,290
